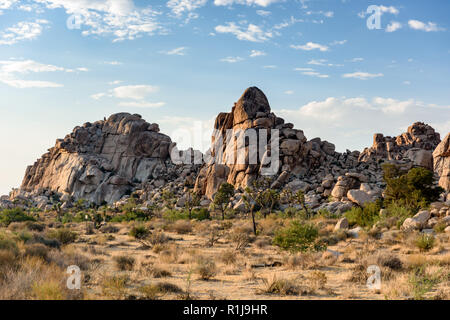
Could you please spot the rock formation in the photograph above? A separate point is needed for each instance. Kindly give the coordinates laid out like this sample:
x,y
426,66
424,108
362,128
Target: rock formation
x,y
101,161
417,144
252,111
108,160
441,158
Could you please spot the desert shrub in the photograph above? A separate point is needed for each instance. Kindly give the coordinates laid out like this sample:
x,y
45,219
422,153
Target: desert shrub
x,y
196,213
182,227
167,287
124,263
414,189
52,243
390,261
206,269
150,292
8,216
298,237
139,232
34,226
135,215
37,250
160,273
109,228
115,286
8,244
158,238
425,242
63,235
366,216
240,236
422,282
228,257
48,290
279,286
8,260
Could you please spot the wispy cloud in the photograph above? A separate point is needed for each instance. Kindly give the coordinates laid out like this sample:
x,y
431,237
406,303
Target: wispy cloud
x,y
257,53
181,51
22,31
362,75
427,27
310,46
252,33
232,59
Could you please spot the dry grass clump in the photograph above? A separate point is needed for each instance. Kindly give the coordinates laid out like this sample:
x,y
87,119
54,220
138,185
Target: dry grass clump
x,y
158,272
317,280
304,260
262,243
115,286
169,255
283,287
124,263
206,269
181,227
228,257
241,237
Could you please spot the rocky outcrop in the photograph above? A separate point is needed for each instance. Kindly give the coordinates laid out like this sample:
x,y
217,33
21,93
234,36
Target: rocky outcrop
x,y
417,145
252,111
101,161
441,158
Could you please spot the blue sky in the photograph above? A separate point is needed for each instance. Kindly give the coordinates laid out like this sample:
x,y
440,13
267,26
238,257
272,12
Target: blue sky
x,y
180,62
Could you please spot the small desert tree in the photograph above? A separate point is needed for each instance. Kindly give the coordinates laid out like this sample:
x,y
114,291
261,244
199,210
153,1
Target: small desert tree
x,y
300,198
413,188
192,200
269,199
223,197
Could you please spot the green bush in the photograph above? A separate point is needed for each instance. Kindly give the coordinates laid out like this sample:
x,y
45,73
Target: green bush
x,y
298,237
136,215
366,216
198,214
413,189
64,236
8,216
139,232
425,242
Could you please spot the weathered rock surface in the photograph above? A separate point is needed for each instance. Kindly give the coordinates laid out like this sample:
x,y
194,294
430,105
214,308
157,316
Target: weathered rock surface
x,y
101,161
441,157
418,136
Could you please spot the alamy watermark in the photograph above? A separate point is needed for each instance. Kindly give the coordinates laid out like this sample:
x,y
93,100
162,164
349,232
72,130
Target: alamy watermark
x,y
74,279
374,280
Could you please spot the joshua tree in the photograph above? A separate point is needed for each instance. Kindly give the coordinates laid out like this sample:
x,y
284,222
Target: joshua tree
x,y
192,200
300,198
269,198
223,197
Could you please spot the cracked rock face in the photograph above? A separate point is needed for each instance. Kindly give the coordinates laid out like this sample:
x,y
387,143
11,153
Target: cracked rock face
x,y
101,161
441,157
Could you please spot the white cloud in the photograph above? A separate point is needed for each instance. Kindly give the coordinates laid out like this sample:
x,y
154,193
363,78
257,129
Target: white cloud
x,y
270,67
181,51
262,3
252,33
6,4
9,69
179,7
362,75
338,42
289,92
263,13
120,19
257,53
383,9
232,59
311,72
142,104
22,31
357,59
351,122
393,26
136,92
98,96
310,46
427,27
